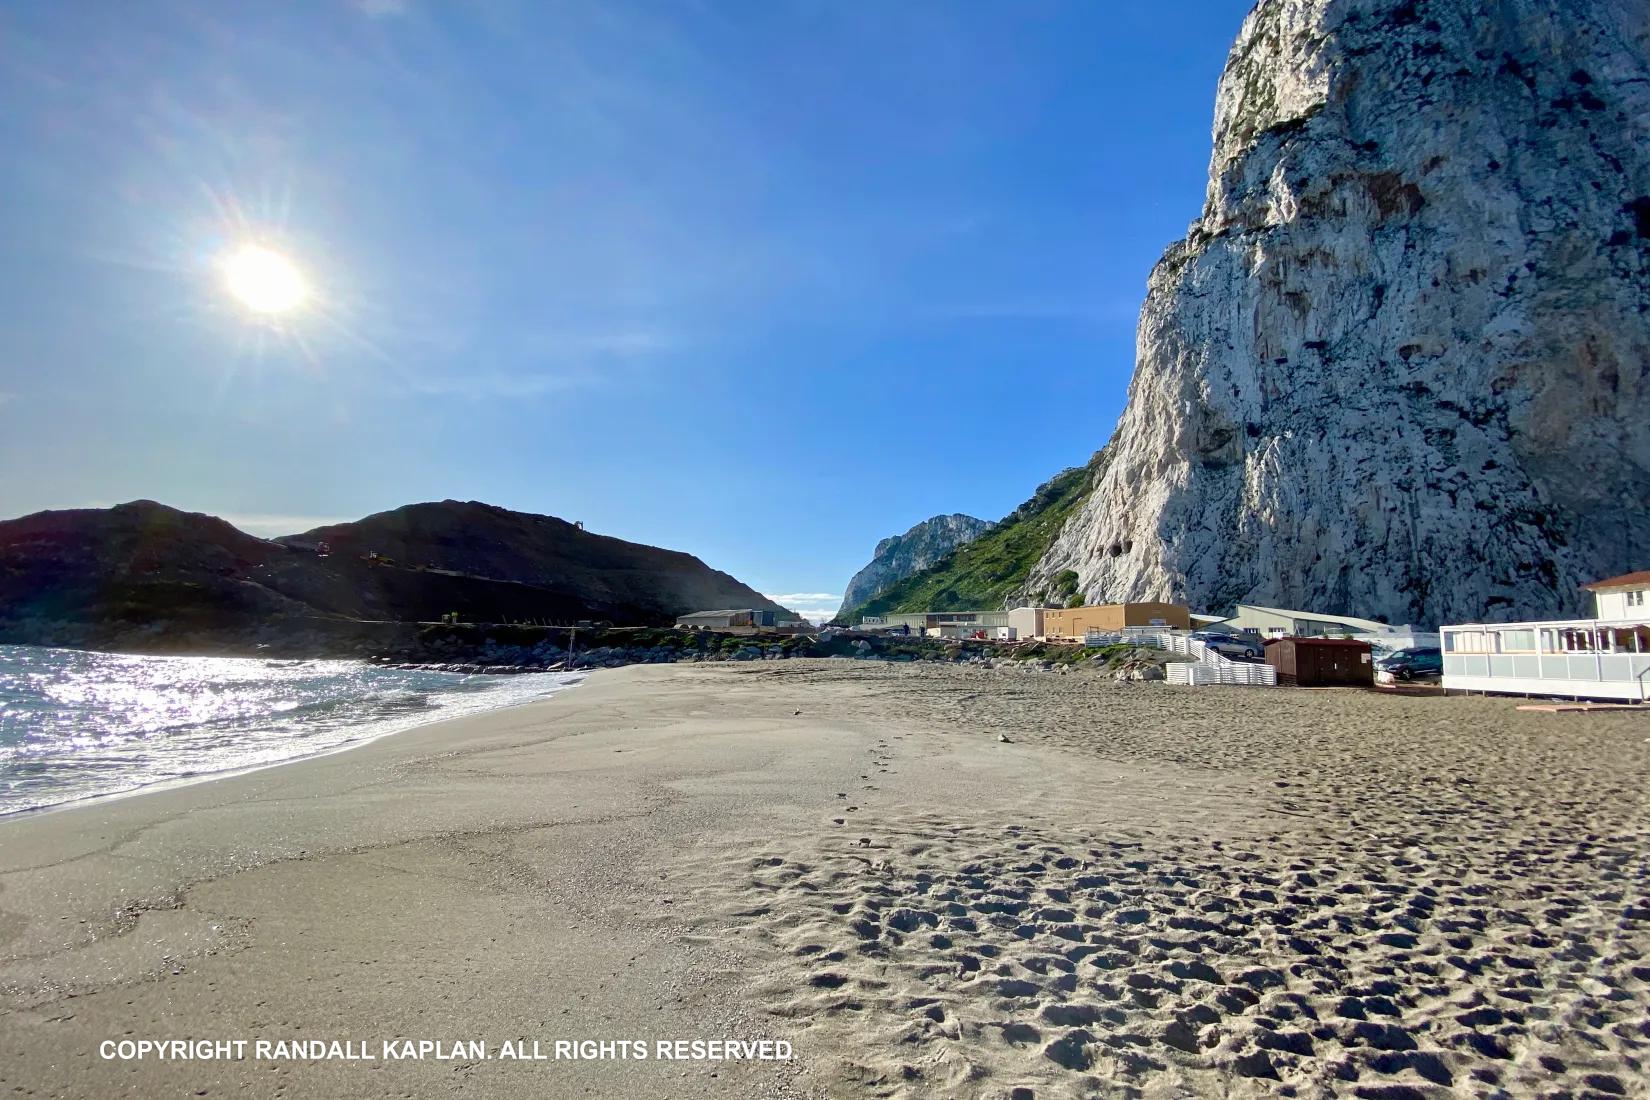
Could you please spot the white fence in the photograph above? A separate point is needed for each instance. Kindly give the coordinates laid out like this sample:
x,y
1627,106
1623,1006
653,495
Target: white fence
x,y
1620,676
1211,667
1129,635
1207,666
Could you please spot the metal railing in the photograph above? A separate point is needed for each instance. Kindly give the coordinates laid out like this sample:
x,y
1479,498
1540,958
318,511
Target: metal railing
x,y
1577,673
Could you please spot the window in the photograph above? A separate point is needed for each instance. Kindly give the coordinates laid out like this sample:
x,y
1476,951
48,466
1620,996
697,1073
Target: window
x,y
1576,641
1635,599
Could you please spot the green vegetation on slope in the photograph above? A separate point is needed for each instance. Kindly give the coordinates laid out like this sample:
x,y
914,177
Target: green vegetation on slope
x,y
985,572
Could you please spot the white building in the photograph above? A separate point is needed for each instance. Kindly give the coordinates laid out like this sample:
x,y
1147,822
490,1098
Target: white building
x,y
1623,598
936,623
1279,622
1027,622
1607,657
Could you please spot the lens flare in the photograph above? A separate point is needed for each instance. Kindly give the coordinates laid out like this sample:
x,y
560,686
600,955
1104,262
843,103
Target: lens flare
x,y
263,280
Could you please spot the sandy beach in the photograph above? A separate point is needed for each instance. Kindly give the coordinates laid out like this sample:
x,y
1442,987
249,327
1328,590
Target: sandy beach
x,y
929,880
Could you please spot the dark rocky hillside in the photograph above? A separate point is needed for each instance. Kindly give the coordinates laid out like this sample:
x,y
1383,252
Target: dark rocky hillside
x,y
146,577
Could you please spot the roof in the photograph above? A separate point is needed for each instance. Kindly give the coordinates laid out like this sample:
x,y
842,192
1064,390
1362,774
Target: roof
x,y
1369,625
1553,624
1641,579
727,611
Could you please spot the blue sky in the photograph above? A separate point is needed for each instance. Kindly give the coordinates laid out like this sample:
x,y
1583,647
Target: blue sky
x,y
761,281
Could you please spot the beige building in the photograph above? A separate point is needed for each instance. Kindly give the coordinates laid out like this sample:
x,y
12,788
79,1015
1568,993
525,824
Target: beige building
x,y
1108,618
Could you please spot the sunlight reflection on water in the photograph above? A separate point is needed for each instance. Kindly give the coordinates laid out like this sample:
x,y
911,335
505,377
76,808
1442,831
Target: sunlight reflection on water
x,y
74,725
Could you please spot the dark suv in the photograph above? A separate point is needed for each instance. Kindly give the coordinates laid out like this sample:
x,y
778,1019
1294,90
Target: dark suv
x,y
1413,664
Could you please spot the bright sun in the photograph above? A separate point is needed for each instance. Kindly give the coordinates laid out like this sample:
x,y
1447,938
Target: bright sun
x,y
264,280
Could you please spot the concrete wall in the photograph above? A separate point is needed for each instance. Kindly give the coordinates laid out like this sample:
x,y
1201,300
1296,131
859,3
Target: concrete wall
x,y
964,630
1027,621
1391,643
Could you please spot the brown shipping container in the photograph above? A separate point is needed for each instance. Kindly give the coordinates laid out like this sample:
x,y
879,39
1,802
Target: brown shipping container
x,y
1321,662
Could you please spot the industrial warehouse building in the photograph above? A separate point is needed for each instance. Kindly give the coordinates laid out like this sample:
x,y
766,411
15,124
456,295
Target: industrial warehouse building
x,y
724,620
1279,621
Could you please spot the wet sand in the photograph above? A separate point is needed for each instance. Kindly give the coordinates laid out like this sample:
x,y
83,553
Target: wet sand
x,y
1142,891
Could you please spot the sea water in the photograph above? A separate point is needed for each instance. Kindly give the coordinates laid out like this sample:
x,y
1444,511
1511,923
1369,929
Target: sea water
x,y
76,725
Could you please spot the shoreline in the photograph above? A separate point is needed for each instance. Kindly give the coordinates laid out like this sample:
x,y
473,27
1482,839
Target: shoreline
x,y
344,746
1211,892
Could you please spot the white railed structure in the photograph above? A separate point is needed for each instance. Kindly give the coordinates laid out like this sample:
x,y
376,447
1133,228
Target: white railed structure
x,y
1576,659
1211,668
1154,636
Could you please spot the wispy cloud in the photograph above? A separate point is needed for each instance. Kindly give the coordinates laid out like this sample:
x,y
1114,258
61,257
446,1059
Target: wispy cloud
x,y
379,9
564,361
477,387
1095,311
813,606
268,525
623,343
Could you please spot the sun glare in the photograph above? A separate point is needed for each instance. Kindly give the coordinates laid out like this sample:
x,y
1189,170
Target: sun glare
x,y
263,280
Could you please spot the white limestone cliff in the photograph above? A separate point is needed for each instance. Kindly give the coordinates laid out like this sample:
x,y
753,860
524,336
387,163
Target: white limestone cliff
x,y
1400,367
899,556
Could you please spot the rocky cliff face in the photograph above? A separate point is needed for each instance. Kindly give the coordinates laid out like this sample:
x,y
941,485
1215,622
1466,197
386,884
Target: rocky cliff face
x,y
900,556
1400,367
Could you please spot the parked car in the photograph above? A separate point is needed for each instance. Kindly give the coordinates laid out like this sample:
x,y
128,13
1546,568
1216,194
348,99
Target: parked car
x,y
1230,645
1419,663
